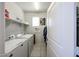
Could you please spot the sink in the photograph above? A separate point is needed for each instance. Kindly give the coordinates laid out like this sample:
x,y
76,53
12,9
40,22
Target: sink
x,y
26,36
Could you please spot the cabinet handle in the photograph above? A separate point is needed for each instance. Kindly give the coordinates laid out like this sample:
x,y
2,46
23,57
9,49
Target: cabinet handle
x,y
11,55
21,44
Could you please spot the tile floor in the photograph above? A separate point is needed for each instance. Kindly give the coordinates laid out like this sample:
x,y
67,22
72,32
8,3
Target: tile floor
x,y
39,50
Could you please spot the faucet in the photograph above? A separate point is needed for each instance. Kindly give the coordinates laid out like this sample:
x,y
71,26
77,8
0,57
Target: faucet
x,y
11,37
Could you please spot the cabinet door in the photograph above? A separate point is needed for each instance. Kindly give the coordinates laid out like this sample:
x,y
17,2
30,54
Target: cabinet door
x,y
25,47
17,52
20,51
29,42
15,11
30,45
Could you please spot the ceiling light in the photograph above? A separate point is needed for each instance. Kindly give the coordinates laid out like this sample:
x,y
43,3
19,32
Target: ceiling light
x,y
36,4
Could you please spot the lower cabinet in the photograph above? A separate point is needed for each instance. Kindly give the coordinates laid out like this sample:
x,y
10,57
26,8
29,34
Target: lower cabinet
x,y
20,51
23,50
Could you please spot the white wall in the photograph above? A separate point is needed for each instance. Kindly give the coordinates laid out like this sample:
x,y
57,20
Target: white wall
x,y
61,24
2,28
30,28
15,12
13,28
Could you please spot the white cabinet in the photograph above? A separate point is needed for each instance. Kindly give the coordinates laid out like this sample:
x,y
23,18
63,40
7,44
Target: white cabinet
x,y
20,51
23,49
15,11
30,45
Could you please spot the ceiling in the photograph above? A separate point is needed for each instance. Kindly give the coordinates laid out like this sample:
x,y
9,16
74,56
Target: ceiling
x,y
30,6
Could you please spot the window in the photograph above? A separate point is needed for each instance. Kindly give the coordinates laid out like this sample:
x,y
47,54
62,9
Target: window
x,y
35,21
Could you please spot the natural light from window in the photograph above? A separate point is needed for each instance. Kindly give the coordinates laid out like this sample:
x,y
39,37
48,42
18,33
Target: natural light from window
x,y
35,21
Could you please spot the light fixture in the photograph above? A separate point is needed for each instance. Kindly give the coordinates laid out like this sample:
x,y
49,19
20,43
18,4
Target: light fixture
x,y
36,4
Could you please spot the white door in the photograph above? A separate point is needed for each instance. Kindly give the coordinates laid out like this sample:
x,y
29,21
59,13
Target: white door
x,y
61,35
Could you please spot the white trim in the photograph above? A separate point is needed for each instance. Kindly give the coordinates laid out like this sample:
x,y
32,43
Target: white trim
x,y
50,6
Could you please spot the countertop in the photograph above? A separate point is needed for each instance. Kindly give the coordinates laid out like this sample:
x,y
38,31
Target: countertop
x,y
14,43
26,36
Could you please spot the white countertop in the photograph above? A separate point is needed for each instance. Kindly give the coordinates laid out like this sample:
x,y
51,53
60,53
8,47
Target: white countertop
x,y
27,36
14,43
